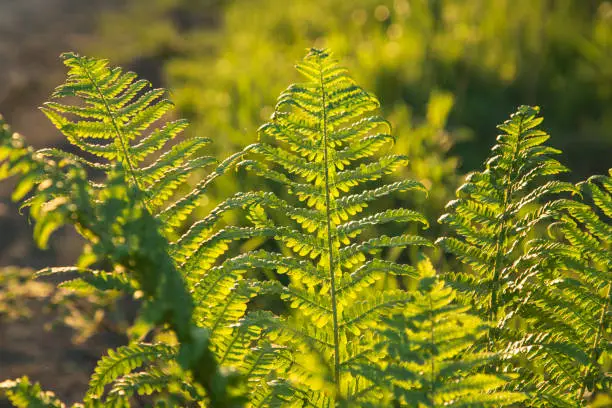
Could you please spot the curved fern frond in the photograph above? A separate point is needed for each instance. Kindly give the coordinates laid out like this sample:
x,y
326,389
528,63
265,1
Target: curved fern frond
x,y
112,123
429,363
89,281
320,144
119,119
151,381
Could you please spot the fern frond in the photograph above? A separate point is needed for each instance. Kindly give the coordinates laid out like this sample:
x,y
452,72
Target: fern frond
x,y
124,360
572,295
429,360
116,111
121,232
322,142
151,381
493,214
116,121
90,280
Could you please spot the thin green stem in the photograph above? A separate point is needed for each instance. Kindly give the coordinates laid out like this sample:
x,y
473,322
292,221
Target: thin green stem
x,y
501,237
330,246
432,378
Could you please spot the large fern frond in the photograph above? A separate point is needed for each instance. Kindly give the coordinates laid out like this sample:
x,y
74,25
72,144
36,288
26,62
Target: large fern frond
x,y
121,232
324,141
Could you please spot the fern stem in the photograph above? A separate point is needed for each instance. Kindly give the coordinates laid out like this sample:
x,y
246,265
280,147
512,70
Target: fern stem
x,y
114,122
433,379
593,360
329,240
501,237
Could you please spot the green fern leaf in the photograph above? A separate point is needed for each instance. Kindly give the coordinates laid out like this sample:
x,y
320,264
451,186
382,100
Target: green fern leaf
x,y
114,216
493,214
319,145
124,360
571,297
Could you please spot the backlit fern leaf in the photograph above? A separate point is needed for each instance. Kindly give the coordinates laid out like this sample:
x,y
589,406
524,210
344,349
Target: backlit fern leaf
x,y
116,122
115,216
570,299
429,360
111,123
497,209
319,145
151,381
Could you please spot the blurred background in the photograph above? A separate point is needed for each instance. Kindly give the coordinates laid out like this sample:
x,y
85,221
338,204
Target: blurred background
x,y
446,72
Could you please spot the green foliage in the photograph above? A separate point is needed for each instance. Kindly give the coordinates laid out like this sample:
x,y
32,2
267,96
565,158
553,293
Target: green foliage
x,y
524,323
114,216
570,298
545,297
111,124
23,394
124,360
429,362
497,209
322,145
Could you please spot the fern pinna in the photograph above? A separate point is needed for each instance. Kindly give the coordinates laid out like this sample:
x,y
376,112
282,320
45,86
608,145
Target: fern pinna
x,y
318,145
429,361
569,303
122,216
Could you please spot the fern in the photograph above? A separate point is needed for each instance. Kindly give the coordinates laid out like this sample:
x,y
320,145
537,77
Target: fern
x,y
497,209
570,299
149,382
546,297
430,363
526,322
124,360
117,216
319,144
